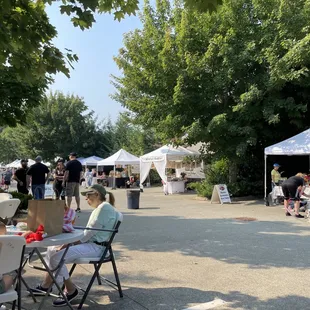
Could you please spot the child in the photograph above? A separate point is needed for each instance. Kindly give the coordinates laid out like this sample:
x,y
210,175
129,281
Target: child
x,y
6,281
69,219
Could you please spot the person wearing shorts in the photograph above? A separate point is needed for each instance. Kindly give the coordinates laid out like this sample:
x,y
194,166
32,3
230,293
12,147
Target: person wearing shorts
x,y
7,179
291,190
73,175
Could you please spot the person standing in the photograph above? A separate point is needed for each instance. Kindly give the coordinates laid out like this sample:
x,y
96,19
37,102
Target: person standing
x,y
20,176
275,178
7,179
275,175
59,178
88,178
39,174
73,175
292,187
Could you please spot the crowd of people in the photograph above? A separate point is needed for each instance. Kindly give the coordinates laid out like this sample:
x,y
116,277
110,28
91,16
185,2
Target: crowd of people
x,y
67,178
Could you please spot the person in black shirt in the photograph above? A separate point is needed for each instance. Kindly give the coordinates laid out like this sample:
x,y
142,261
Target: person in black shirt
x,y
292,190
39,174
20,176
72,178
59,178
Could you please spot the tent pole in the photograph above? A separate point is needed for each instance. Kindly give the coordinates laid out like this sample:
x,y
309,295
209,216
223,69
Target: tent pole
x,y
114,179
265,180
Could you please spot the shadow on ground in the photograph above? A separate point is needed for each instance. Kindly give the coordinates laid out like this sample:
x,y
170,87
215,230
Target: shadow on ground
x,y
259,244
168,298
179,298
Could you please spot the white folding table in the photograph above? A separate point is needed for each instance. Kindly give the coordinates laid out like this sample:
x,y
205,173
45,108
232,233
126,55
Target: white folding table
x,y
58,240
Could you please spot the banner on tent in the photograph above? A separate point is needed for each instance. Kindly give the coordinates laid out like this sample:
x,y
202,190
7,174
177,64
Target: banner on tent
x,y
220,194
152,158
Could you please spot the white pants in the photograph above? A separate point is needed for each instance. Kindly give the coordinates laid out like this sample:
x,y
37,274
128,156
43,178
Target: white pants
x,y
53,257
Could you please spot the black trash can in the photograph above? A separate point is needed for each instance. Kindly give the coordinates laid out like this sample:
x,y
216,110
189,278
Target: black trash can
x,y
133,198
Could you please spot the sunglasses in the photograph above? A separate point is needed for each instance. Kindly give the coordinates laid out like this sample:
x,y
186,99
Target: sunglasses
x,y
90,194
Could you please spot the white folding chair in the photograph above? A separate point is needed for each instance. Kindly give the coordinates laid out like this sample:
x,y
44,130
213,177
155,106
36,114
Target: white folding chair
x,y
5,196
107,256
11,258
8,208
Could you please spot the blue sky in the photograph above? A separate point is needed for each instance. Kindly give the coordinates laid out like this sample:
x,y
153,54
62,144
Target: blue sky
x,y
95,48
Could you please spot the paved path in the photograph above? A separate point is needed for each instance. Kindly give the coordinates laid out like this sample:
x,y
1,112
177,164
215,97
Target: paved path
x,y
177,252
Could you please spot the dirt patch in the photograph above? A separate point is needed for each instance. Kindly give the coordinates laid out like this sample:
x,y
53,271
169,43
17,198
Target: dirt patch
x,y
246,219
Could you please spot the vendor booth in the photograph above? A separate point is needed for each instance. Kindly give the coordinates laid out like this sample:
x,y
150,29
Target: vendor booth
x,y
122,158
162,159
298,145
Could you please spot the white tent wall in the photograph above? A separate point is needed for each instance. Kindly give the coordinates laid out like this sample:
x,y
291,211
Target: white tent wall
x,y
145,168
160,158
298,145
146,165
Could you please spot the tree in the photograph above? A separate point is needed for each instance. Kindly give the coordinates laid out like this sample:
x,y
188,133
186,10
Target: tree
x,y
60,125
28,57
237,79
133,138
8,151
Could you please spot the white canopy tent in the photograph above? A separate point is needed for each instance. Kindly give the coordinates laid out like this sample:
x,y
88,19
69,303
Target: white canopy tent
x,y
90,161
160,158
121,157
16,163
13,164
297,145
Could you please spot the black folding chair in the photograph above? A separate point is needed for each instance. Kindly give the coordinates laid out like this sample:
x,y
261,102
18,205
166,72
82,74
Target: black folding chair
x,y
106,257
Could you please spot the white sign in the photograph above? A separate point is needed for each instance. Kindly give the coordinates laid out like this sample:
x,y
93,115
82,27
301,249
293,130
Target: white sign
x,y
49,192
220,194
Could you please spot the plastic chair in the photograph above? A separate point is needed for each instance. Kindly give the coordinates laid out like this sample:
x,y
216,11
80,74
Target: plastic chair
x,y
12,250
5,196
8,208
97,262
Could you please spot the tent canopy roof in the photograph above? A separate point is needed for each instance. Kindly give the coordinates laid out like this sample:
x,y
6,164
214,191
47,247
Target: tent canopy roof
x,y
297,145
90,161
121,157
169,152
16,163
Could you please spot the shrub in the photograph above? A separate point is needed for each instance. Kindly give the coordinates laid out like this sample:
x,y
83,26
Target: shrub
x,y
203,189
154,177
218,172
23,199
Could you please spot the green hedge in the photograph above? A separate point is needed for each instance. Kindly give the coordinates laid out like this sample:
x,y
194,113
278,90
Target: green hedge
x,y
218,173
23,199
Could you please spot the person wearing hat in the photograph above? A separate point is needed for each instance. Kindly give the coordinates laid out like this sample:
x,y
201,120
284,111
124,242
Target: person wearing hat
x,y
104,216
20,176
39,174
72,178
275,175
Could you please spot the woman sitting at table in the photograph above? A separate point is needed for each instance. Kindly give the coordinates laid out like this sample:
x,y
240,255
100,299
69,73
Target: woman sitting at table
x,y
104,216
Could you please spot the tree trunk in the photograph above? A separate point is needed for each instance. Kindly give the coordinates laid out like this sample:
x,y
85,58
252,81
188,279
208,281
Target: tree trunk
x,y
233,172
